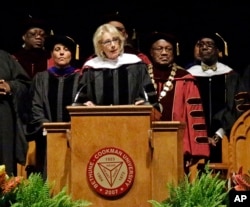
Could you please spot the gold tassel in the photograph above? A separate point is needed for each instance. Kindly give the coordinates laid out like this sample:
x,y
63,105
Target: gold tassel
x,y
177,49
77,52
134,35
226,49
225,44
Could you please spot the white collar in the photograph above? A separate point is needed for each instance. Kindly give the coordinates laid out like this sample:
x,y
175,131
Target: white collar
x,y
123,59
196,70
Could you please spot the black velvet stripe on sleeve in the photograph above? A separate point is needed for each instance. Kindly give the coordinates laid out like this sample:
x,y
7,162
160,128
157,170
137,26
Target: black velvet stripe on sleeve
x,y
52,96
199,127
197,113
194,101
151,93
123,86
67,96
60,96
108,89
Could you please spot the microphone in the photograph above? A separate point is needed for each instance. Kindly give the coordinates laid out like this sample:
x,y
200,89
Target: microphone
x,y
76,101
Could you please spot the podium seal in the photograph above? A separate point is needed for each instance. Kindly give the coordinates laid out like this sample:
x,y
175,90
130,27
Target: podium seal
x,y
110,172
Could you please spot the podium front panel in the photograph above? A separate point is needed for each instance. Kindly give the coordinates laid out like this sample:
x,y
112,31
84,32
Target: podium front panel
x,y
95,131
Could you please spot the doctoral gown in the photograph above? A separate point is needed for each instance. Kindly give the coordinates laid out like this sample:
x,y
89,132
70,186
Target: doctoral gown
x,y
183,103
33,60
13,145
50,94
117,82
218,89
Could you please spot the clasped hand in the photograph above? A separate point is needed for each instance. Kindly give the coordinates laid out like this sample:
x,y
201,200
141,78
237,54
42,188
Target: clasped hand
x,y
4,87
213,140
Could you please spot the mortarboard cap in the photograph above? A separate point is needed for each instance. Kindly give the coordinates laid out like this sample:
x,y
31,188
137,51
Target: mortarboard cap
x,y
115,16
52,40
219,41
31,22
119,17
153,37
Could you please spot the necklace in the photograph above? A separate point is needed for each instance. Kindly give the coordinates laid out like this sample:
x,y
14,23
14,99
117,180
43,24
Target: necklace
x,y
151,74
168,85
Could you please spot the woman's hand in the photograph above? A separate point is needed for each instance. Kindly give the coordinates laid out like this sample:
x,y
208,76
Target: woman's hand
x,y
89,103
140,102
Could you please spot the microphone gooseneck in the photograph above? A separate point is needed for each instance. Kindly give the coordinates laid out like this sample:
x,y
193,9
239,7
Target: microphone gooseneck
x,y
76,103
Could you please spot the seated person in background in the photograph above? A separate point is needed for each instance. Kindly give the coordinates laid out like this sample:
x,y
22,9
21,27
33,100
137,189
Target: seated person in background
x,y
51,91
32,56
218,85
196,56
179,96
121,22
114,77
129,46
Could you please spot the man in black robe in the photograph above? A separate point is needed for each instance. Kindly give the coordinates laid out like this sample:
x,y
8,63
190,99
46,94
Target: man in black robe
x,y
14,86
218,84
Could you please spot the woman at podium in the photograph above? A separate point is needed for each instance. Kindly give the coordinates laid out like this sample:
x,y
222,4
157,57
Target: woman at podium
x,y
114,77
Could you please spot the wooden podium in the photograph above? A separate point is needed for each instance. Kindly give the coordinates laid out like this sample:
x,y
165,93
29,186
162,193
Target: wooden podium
x,y
239,144
167,160
114,155
58,155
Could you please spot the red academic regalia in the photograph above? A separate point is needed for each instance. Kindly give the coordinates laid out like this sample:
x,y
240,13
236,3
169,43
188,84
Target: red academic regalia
x,y
183,103
33,60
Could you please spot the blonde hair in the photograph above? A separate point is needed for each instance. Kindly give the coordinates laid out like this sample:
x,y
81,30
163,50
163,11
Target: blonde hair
x,y
97,38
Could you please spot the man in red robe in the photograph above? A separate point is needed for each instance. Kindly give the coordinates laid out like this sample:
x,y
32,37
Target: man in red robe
x,y
179,96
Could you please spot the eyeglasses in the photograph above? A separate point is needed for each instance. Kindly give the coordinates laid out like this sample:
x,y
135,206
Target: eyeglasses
x,y
209,45
32,34
160,49
107,43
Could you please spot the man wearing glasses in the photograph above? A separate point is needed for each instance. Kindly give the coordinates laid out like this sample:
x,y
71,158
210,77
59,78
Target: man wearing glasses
x,y
217,84
179,96
32,55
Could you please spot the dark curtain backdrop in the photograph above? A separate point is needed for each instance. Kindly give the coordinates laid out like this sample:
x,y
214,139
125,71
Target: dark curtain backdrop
x,y
79,19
